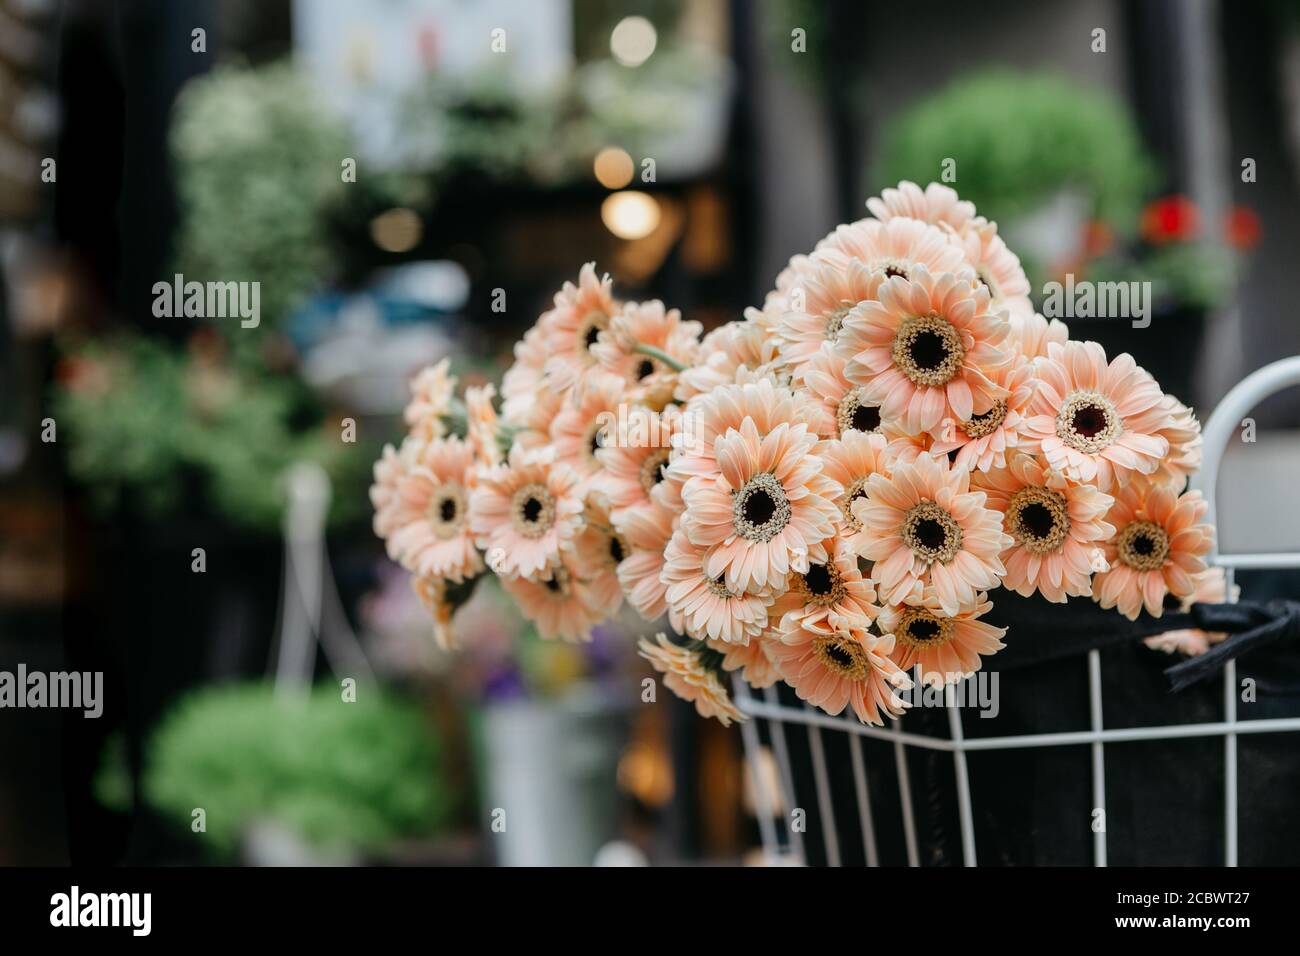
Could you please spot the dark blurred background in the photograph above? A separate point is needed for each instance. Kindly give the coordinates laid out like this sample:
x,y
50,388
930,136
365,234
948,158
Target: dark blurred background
x,y
385,169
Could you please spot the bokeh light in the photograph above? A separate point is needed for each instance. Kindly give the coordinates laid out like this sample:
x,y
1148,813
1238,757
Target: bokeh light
x,y
613,167
633,40
397,230
630,214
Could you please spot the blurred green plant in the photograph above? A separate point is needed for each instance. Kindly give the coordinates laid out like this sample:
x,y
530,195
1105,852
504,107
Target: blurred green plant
x,y
1189,275
258,161
343,776
485,126
149,424
1020,138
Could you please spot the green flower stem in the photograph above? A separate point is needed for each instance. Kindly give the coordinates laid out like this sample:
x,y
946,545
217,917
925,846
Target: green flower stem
x,y
660,356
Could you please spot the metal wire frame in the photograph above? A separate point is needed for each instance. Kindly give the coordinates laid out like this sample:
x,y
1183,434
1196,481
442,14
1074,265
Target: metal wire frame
x,y
1218,431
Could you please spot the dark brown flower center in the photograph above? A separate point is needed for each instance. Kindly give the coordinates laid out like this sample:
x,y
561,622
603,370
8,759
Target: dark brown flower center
x,y
532,511
447,511
652,468
821,584
589,331
856,414
835,320
760,510
1039,519
718,586
1088,422
842,654
1143,546
928,350
855,490
595,439
986,423
920,628
932,533
560,583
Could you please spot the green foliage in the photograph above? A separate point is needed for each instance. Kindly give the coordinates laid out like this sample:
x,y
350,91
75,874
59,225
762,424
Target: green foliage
x,y
1018,139
485,126
344,776
1189,274
141,417
258,161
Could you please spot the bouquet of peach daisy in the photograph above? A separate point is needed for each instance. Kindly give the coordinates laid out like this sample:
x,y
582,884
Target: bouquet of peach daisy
x,y
828,493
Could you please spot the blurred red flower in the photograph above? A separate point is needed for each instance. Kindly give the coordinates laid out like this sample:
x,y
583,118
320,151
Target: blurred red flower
x,y
1098,238
1241,228
1172,219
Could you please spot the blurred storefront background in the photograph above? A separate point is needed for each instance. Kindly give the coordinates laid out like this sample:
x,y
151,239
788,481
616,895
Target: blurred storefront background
x,y
183,500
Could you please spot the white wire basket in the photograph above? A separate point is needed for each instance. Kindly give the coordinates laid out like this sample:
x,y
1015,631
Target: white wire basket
x,y
787,824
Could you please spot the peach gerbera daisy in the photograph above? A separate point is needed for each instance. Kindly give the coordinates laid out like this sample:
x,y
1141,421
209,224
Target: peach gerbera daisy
x,y
634,457
832,664
997,268
532,428
586,421
937,204
1211,588
1031,334
924,526
431,535
983,441
702,604
777,301
432,391
924,351
559,604
947,647
725,408
646,533
646,346
1158,549
522,380
753,660
390,469
768,509
818,305
899,247
850,461
1059,528
525,512
1096,422
730,354
570,329
1184,437
834,587
845,404
598,551
686,676
481,425
902,446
